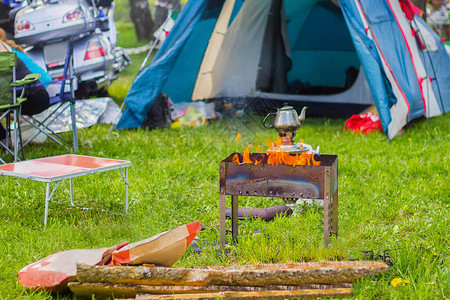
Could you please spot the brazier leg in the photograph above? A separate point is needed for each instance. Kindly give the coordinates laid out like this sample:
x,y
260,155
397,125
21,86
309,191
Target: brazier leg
x,y
222,207
234,217
327,208
334,213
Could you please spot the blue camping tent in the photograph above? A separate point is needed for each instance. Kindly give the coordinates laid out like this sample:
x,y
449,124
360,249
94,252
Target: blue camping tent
x,y
325,52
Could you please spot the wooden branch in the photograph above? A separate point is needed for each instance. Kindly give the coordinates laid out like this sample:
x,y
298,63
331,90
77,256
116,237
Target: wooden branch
x,y
87,289
257,275
298,294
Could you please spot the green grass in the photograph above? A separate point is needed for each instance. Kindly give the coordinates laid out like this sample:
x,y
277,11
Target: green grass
x,y
393,196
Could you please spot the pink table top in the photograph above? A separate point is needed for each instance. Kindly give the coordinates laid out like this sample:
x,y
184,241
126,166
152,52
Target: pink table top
x,y
61,167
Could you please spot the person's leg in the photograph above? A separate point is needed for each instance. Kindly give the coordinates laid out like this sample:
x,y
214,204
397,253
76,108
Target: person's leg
x,y
37,101
447,32
2,132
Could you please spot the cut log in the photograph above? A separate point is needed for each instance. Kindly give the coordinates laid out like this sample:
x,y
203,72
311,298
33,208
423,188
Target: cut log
x,y
87,289
298,294
333,272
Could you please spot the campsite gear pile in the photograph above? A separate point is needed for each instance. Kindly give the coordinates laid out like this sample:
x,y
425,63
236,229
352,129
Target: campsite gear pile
x,y
256,49
192,118
271,281
164,114
53,272
88,113
258,177
287,122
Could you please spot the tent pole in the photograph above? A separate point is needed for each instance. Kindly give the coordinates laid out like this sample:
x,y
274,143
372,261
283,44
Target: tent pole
x,y
159,36
145,60
117,118
149,52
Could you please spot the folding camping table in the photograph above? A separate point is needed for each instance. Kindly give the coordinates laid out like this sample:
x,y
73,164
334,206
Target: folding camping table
x,y
69,166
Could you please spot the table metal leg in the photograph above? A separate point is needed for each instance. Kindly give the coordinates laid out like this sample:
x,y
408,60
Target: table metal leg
x,y
126,190
125,178
49,196
234,217
47,199
71,192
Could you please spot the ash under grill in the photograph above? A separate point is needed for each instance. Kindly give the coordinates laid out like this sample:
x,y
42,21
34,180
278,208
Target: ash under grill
x,y
284,181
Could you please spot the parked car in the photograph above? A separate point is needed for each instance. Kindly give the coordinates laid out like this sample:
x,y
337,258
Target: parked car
x,y
46,27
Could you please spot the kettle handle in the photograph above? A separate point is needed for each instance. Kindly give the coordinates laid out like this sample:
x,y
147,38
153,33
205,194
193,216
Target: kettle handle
x,y
265,119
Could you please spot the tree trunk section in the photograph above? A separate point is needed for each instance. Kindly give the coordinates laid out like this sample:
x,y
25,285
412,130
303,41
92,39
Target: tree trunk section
x,y
422,4
142,19
162,10
230,295
104,290
333,272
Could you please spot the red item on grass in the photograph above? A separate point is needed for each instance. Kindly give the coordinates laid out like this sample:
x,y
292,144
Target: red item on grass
x,y
53,272
364,123
163,249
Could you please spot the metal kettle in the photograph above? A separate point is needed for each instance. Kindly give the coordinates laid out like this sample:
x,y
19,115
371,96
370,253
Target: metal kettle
x,y
286,119
286,122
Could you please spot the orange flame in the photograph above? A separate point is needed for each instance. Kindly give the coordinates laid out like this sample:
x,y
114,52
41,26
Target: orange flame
x,y
238,136
271,144
246,156
284,158
277,157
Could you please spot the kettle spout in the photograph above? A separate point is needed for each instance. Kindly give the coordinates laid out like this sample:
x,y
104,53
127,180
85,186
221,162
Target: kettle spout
x,y
301,118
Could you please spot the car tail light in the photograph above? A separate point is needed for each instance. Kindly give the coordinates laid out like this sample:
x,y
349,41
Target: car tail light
x,y
94,50
55,65
73,15
23,25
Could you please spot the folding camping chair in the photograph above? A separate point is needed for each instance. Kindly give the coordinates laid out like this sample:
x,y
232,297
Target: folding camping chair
x,y
65,99
10,103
